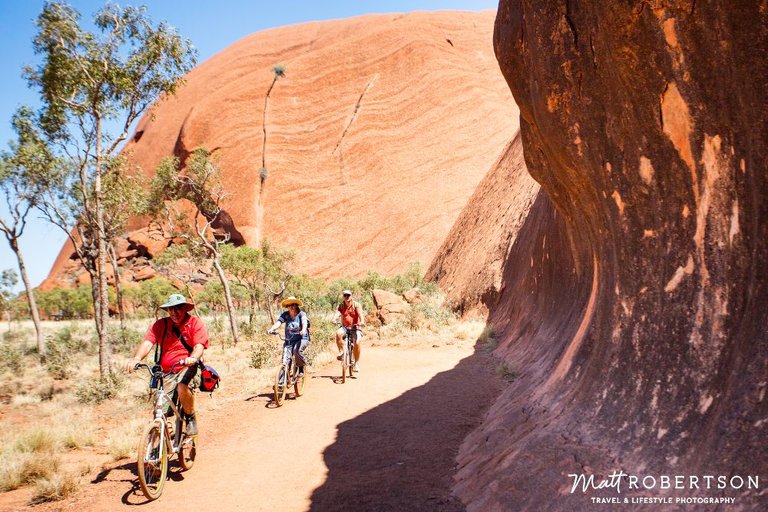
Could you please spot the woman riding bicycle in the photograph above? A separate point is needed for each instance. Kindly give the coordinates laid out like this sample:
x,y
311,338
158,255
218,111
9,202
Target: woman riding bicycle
x,y
296,331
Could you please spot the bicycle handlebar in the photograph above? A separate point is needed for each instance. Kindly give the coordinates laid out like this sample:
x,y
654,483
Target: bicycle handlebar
x,y
165,374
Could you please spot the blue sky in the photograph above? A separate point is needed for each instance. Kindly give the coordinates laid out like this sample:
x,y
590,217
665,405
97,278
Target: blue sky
x,y
211,26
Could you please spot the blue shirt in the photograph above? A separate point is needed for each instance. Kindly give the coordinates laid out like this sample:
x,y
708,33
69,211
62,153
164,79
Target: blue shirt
x,y
293,326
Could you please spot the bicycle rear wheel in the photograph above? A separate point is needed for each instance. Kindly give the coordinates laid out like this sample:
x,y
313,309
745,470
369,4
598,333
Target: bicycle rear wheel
x,y
152,462
281,388
187,453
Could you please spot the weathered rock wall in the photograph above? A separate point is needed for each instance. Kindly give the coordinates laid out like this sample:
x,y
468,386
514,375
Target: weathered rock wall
x,y
469,264
646,125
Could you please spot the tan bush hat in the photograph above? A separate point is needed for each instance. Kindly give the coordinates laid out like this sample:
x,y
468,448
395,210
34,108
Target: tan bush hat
x,y
291,300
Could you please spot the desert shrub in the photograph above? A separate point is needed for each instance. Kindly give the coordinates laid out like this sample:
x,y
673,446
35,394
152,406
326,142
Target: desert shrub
x,y
58,359
323,333
96,390
125,340
12,360
55,488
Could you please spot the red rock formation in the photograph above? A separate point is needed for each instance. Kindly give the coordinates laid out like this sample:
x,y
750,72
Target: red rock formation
x,y
633,303
469,264
378,133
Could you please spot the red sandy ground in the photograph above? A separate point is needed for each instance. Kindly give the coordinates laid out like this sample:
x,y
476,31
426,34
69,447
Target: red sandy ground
x,y
384,441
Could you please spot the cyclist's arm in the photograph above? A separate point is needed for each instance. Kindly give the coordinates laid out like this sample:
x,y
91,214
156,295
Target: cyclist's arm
x,y
141,352
194,357
276,325
336,316
303,330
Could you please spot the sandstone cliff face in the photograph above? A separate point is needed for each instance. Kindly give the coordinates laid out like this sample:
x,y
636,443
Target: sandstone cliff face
x,y
633,302
376,136
469,264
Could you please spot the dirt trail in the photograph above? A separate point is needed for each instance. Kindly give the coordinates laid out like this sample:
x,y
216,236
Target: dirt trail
x,y
384,441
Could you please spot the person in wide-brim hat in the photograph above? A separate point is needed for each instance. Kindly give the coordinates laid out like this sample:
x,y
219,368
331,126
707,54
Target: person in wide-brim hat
x,y
175,300
296,331
179,341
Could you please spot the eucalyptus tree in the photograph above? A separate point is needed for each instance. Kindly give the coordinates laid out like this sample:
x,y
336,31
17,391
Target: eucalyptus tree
x,y
263,273
175,190
23,173
94,85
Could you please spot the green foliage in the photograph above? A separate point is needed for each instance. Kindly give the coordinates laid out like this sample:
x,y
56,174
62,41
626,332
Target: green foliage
x,y
323,333
66,303
151,293
211,297
96,390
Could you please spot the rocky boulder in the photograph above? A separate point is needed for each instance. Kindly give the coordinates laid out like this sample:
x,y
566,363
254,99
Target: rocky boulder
x,y
389,306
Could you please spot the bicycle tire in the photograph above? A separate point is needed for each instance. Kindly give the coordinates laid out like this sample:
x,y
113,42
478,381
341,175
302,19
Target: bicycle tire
x,y
280,387
152,462
298,383
187,453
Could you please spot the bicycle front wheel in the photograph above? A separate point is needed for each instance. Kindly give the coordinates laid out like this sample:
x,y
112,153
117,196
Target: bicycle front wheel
x,y
281,387
152,462
187,453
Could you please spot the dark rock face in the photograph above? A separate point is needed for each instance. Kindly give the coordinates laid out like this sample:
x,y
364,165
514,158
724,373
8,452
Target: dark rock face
x,y
646,125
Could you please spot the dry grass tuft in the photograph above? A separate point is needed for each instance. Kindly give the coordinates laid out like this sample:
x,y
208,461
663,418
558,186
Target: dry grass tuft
x,y
56,488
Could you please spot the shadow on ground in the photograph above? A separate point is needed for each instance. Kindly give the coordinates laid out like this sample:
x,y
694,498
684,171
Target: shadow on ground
x,y
401,455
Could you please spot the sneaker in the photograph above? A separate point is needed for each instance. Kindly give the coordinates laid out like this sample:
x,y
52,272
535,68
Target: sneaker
x,y
301,373
191,428
340,356
357,367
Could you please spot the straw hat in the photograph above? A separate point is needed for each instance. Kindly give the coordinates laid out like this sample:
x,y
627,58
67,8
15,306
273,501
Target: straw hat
x,y
290,301
177,299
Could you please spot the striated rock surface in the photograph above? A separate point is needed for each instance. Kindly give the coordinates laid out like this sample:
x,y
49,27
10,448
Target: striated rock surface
x,y
376,137
469,264
633,301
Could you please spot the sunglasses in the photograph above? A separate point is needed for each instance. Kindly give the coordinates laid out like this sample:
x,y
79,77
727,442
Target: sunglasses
x,y
180,307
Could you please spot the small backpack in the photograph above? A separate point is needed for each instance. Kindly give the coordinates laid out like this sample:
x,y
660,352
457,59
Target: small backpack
x,y
209,379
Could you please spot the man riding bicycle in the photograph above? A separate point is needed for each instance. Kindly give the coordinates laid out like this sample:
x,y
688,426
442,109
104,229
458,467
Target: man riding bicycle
x,y
182,338
351,314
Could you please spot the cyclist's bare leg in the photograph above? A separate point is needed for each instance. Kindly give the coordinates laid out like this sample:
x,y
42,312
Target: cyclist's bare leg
x,y
340,338
356,351
187,398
